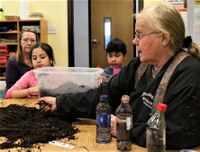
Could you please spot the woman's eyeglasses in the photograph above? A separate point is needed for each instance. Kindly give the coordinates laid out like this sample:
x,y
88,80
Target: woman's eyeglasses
x,y
141,35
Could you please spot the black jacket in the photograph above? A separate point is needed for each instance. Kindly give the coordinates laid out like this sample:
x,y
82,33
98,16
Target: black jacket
x,y
182,97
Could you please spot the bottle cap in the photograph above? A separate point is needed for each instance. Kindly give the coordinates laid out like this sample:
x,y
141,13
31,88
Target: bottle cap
x,y
162,107
125,98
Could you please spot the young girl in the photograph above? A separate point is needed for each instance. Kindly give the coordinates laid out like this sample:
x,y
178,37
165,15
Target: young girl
x,y
41,55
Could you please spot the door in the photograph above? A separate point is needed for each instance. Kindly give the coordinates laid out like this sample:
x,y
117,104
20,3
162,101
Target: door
x,y
121,14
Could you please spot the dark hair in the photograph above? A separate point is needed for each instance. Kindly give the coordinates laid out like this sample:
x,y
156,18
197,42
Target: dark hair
x,y
116,45
19,55
47,48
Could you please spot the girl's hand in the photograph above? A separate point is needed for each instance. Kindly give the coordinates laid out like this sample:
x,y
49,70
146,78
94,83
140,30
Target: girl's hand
x,y
33,91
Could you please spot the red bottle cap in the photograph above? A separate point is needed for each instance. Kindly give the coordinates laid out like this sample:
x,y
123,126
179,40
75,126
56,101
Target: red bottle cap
x,y
162,107
125,98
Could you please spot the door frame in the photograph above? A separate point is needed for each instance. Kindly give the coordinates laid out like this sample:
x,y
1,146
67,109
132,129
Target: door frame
x,y
90,33
78,31
138,5
70,9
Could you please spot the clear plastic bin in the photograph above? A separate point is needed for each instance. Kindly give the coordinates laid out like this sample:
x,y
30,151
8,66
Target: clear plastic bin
x,y
2,89
54,81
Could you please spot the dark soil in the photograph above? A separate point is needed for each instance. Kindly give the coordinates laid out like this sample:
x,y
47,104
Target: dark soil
x,y
25,126
68,87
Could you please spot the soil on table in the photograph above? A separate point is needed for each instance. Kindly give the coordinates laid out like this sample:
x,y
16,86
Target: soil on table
x,y
24,126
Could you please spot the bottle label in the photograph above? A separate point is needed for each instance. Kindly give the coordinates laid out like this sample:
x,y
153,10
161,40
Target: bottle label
x,y
103,130
128,123
103,120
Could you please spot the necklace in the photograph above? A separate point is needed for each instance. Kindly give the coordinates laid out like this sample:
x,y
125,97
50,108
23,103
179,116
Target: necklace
x,y
154,71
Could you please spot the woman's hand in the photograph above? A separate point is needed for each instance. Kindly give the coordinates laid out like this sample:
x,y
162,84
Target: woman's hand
x,y
47,104
113,125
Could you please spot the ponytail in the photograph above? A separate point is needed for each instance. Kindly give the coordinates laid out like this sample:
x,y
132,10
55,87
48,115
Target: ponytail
x,y
191,47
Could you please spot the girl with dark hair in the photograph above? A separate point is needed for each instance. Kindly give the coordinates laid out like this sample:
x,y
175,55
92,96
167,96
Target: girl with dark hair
x,y
41,55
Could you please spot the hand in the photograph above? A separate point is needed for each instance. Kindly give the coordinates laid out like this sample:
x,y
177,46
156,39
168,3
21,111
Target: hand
x,y
113,125
47,104
104,79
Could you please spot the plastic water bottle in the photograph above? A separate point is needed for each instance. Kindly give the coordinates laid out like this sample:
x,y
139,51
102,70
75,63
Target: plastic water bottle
x,y
156,130
103,118
2,14
124,124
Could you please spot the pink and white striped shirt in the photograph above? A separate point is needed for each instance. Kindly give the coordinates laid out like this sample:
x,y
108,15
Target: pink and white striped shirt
x,y
26,81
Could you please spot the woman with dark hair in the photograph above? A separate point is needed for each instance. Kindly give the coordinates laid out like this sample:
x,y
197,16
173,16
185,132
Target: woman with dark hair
x,y
41,55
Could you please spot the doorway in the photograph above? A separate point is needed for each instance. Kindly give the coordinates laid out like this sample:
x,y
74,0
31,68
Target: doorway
x,y
120,14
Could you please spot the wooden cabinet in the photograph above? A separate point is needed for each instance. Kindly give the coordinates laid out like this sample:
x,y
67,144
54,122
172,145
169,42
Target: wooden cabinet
x,y
9,38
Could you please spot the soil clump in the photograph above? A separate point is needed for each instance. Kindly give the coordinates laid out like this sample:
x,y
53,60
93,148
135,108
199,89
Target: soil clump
x,y
24,126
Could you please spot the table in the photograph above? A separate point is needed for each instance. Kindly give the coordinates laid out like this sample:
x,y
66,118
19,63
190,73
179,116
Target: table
x,y
85,141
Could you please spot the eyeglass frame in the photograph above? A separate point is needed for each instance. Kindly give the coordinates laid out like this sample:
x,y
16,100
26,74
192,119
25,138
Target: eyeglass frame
x,y
141,35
